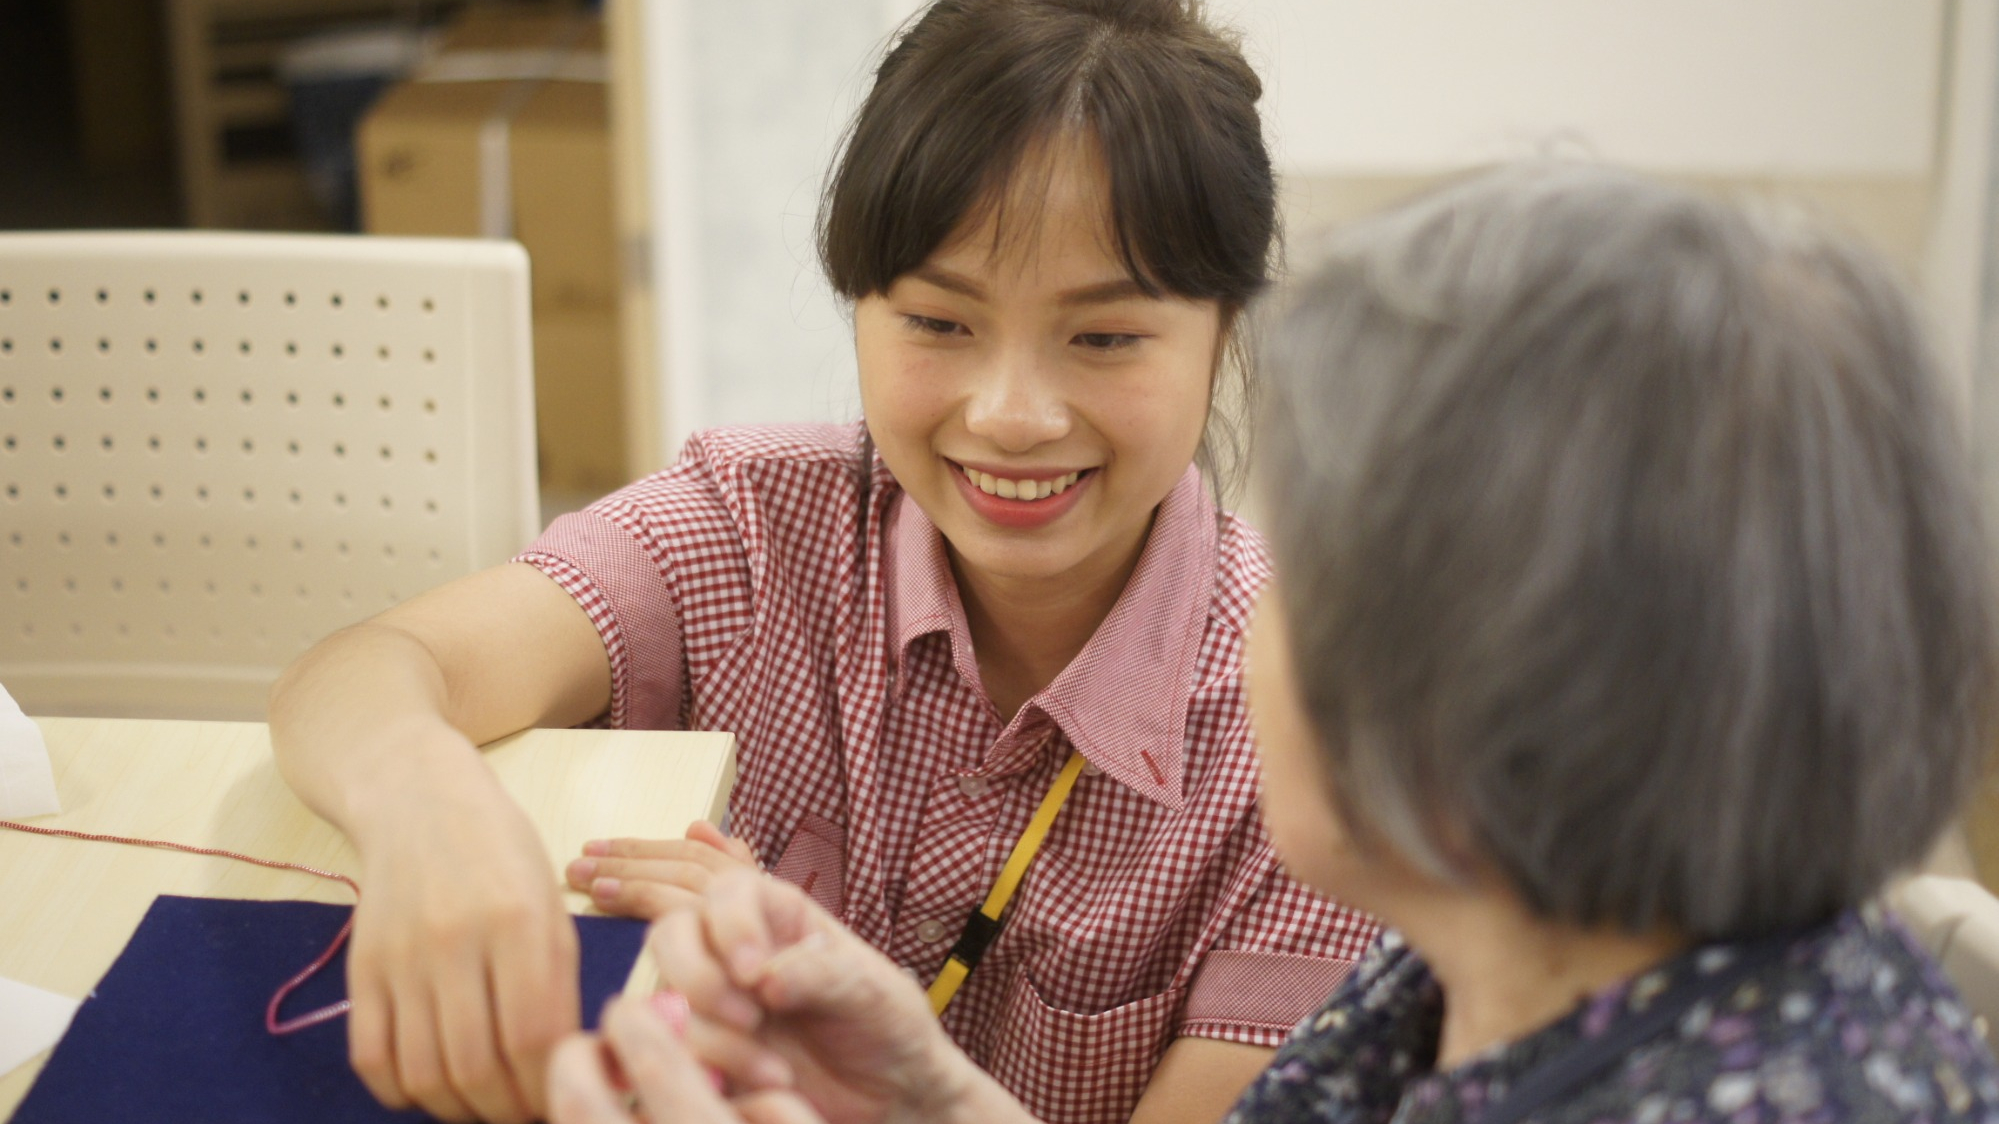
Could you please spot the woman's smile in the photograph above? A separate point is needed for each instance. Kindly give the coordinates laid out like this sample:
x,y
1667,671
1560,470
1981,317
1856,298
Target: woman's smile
x,y
1004,377
1020,499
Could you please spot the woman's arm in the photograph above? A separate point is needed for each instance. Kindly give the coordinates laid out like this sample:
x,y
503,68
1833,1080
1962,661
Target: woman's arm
x,y
1198,1081
488,654
462,969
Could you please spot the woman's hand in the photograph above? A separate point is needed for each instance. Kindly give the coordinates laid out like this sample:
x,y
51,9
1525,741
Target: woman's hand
x,y
640,1065
781,994
790,1019
463,965
647,877
462,969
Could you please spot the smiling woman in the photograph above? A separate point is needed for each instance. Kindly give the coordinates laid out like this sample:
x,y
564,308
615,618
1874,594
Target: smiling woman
x,y
1038,404
1635,624
980,653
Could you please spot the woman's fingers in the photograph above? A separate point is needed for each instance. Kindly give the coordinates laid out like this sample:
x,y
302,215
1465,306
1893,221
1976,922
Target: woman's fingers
x,y
580,873
640,1070
688,964
468,1033
701,831
750,918
420,1061
686,864
776,1107
669,1082
475,1073
371,1043
643,888
734,1055
582,1088
535,1000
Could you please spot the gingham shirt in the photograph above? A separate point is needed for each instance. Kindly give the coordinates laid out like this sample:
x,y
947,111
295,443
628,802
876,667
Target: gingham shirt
x,y
737,591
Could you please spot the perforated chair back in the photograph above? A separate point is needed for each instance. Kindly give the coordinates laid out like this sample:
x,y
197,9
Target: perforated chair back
x,y
216,449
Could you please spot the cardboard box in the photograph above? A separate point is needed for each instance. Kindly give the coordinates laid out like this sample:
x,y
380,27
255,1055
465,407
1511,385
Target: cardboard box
x,y
505,134
578,400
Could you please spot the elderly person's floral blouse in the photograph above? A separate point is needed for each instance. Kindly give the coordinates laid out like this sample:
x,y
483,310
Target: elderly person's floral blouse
x,y
1844,1022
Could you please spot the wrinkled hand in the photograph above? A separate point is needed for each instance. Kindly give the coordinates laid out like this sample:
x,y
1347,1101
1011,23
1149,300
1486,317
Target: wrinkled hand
x,y
646,878
781,994
462,969
640,1064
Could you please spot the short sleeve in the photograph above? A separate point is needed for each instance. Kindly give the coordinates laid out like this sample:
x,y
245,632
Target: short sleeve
x,y
624,559
626,597
1279,959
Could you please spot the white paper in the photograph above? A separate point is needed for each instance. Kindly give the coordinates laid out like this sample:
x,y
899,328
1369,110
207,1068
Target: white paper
x,y
31,1020
27,783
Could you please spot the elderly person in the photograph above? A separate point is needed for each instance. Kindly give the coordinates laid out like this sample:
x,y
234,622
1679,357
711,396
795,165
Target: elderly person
x,y
1631,628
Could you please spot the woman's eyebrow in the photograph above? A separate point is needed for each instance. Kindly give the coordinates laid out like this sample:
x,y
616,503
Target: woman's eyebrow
x,y
1100,292
949,281
1104,292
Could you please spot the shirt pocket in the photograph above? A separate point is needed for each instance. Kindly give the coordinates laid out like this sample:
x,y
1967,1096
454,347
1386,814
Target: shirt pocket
x,y
1075,1068
815,860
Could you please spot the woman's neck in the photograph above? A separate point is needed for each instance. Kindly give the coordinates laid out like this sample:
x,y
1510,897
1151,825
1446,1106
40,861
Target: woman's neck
x,y
1506,974
1026,631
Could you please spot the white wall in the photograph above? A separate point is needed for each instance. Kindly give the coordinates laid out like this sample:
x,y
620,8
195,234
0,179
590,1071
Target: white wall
x,y
747,98
1958,263
1759,87
746,103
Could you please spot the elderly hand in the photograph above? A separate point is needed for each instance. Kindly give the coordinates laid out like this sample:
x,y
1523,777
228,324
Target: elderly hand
x,y
795,1017
645,878
783,994
640,1070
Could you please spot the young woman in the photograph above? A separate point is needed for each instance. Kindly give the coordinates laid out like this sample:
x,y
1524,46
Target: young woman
x,y
1632,626
1009,591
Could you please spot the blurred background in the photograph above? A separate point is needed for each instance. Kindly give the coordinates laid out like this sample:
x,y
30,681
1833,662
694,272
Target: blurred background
x,y
661,159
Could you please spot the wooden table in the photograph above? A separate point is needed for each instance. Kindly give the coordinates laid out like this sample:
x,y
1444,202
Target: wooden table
x,y
68,907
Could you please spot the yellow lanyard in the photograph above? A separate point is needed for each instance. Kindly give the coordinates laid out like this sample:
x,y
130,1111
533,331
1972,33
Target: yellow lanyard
x,y
984,923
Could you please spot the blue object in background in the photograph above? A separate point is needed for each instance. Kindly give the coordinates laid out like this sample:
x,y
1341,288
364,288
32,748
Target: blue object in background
x,y
333,80
175,1031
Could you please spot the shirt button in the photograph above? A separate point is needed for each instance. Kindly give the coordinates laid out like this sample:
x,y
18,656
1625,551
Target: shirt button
x,y
972,786
1090,769
930,932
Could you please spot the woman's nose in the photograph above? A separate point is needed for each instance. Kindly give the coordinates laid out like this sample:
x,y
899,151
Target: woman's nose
x,y
1015,404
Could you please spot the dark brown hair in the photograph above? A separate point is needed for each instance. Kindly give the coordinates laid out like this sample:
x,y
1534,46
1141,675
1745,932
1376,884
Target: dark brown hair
x,y
971,85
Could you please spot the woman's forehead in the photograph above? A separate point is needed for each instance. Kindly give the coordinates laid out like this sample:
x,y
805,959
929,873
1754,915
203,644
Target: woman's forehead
x,y
1048,223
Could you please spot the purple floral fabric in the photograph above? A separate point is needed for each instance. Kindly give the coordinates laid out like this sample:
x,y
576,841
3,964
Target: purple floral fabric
x,y
1849,1023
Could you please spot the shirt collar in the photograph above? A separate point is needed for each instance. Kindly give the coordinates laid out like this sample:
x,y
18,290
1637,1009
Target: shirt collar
x,y
1122,701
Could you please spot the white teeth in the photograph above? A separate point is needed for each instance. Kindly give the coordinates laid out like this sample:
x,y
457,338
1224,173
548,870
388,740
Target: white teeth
x,y
1020,489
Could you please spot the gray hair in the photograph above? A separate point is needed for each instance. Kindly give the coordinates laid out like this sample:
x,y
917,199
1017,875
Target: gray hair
x,y
1629,552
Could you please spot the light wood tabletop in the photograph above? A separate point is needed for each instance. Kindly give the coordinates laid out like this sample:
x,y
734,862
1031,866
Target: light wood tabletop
x,y
67,907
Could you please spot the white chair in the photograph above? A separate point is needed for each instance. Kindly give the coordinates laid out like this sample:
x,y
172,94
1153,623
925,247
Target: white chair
x,y
217,448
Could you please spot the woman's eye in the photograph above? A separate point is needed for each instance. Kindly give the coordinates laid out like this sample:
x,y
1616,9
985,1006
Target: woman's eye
x,y
930,325
1107,341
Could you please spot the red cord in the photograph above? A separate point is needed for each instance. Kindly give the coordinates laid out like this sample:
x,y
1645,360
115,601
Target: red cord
x,y
271,1023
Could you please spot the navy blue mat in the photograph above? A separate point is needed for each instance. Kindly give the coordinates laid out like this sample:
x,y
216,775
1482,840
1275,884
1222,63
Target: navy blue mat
x,y
175,1031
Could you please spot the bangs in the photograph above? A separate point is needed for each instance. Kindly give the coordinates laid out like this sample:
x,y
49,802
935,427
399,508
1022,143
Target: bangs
x,y
948,138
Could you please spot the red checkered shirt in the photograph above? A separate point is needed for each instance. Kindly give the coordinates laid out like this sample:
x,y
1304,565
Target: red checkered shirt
x,y
739,591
